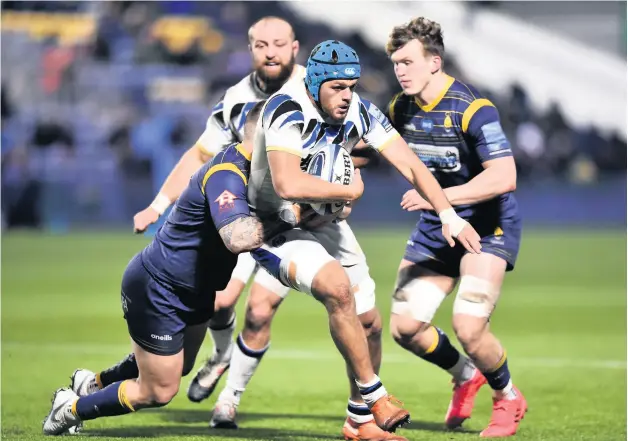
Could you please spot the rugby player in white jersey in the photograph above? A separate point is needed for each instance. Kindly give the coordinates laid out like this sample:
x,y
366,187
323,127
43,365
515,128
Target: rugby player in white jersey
x,y
273,49
327,262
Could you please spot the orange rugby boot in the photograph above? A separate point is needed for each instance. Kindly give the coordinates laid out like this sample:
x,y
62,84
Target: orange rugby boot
x,y
388,415
367,432
507,414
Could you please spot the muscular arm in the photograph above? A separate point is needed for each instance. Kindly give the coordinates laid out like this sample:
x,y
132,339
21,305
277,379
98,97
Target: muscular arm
x,y
410,166
243,234
293,184
499,177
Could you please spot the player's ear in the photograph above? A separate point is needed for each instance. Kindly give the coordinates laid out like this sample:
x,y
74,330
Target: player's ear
x,y
436,63
295,48
250,48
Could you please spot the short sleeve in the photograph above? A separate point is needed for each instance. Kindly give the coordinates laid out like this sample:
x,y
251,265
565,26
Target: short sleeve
x,y
379,132
282,123
225,188
481,125
217,134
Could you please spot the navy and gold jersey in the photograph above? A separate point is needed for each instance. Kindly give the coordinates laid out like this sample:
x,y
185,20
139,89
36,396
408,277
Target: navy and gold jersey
x,y
187,254
453,136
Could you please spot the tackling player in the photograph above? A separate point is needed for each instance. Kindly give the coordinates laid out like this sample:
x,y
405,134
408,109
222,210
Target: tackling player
x,y
273,49
168,292
457,134
296,121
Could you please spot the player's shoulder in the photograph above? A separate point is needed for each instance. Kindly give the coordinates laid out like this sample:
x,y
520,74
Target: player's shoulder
x,y
282,104
462,96
232,159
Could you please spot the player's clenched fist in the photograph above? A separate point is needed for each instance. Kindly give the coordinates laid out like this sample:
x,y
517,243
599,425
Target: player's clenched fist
x,y
455,226
143,219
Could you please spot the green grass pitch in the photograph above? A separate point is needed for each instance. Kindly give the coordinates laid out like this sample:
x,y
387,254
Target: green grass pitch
x,y
562,318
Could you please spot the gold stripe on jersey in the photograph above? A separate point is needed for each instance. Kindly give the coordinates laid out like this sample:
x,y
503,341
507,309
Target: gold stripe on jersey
x,y
222,167
471,110
240,148
391,107
388,143
428,107
277,148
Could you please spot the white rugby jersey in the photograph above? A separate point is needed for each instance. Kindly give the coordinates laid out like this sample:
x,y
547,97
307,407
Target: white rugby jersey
x,y
290,122
225,125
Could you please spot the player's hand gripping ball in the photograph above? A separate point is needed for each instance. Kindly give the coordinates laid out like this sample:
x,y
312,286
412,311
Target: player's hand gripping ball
x,y
333,164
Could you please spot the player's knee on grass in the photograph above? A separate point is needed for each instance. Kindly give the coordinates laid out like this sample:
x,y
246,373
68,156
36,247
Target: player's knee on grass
x,y
159,395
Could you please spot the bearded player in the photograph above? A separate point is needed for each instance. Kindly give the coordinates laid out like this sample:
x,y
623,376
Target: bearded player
x,y
457,134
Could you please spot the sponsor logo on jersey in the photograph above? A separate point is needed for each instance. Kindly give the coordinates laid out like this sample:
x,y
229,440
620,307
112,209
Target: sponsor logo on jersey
x,y
226,200
438,158
427,125
448,123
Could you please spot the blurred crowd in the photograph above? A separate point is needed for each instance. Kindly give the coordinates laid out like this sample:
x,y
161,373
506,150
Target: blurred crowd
x,y
100,97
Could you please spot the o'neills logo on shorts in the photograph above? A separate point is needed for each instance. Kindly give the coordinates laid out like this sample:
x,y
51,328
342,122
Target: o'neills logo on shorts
x,y
161,337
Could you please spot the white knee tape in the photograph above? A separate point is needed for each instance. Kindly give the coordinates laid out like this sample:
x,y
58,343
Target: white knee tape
x,y
263,278
418,299
475,297
244,268
303,265
362,286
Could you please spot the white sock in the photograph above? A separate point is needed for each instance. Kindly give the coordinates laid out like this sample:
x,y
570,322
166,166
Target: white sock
x,y
223,341
508,392
359,412
244,362
372,391
463,370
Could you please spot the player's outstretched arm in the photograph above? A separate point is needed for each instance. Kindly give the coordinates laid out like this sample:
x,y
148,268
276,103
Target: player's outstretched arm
x,y
293,184
410,166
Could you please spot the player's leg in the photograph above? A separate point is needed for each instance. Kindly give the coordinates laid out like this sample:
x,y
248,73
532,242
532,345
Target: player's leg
x,y
266,295
300,261
84,382
359,424
221,328
157,332
340,242
427,274
479,290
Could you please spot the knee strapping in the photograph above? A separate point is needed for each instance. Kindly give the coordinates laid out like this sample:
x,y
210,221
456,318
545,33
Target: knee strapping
x,y
418,299
476,297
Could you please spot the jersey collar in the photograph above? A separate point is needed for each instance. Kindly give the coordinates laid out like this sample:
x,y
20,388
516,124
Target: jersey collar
x,y
430,106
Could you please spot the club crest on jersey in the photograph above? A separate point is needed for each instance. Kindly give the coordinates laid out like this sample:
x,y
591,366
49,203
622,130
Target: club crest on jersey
x,y
427,125
226,200
448,123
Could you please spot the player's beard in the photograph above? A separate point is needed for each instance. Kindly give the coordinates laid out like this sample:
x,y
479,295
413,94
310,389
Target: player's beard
x,y
271,84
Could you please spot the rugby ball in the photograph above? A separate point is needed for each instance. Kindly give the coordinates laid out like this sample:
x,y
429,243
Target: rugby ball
x,y
333,164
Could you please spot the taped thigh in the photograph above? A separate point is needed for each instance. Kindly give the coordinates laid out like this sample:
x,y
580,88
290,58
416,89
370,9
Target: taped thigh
x,y
362,286
417,298
263,278
476,297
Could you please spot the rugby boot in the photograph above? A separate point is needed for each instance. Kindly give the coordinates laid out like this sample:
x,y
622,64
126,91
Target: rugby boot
x,y
61,420
388,415
507,414
224,415
463,399
367,432
83,382
206,379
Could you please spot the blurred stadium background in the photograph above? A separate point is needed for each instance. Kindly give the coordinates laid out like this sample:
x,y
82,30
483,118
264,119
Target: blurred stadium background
x,y
100,99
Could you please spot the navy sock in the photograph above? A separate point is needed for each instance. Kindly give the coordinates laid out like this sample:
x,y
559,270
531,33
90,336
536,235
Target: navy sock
x,y
441,353
124,370
499,377
110,401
